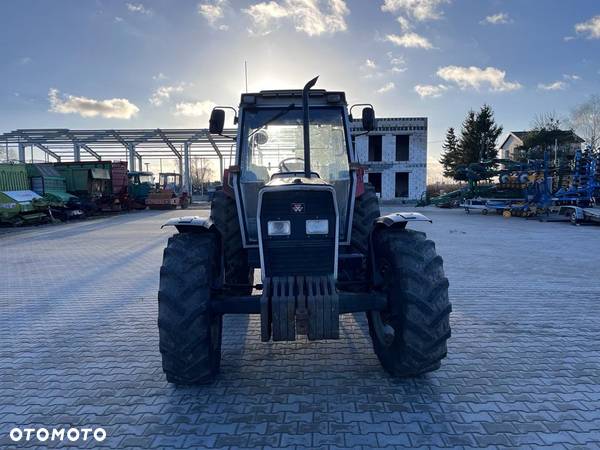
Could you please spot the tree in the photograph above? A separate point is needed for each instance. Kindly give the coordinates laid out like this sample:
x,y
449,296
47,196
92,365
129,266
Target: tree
x,y
488,132
450,156
585,119
546,134
469,143
201,173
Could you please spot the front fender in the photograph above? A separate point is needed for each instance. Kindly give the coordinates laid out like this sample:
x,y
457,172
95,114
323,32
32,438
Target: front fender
x,y
190,223
400,219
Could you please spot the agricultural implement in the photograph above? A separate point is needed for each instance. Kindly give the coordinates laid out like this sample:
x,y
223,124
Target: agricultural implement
x,y
19,204
90,181
296,207
47,182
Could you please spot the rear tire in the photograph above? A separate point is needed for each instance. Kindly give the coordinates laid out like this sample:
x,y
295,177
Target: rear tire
x,y
223,213
189,334
417,319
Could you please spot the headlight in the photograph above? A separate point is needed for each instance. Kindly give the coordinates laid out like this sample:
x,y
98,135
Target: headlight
x,y
317,226
278,227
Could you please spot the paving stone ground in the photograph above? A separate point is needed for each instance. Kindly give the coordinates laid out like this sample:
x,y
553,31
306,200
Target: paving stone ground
x,y
79,347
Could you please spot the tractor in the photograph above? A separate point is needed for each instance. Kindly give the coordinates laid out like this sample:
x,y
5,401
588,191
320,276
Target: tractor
x,y
168,193
296,207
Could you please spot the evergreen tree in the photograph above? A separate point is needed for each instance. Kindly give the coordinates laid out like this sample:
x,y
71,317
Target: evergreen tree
x,y
450,156
469,143
488,132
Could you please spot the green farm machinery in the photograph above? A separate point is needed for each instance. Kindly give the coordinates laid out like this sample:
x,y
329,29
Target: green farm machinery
x,y
18,203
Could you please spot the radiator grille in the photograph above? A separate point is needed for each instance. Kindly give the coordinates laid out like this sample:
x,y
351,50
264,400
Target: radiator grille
x,y
298,254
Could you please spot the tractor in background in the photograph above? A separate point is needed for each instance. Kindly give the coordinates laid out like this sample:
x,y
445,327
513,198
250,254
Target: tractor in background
x,y
168,193
139,187
295,206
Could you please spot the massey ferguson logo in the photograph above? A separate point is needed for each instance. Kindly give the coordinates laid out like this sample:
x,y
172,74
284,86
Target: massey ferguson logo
x,y
298,207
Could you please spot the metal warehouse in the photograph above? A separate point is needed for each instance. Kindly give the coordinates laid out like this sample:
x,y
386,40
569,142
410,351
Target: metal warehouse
x,y
395,154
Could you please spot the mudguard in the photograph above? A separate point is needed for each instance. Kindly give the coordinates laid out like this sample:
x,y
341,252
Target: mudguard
x,y
190,223
400,219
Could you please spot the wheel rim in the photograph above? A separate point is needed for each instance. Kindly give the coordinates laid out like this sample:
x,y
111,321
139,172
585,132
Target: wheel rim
x,y
384,332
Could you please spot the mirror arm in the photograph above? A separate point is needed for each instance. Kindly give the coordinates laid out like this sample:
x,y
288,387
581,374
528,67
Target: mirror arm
x,y
235,112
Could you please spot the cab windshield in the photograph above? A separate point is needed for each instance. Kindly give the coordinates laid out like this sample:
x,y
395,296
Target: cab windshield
x,y
273,144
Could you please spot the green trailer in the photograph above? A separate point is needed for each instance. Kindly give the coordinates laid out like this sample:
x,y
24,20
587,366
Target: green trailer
x,y
46,181
19,204
90,181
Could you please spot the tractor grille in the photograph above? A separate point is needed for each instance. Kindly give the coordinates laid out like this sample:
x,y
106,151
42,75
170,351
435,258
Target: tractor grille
x,y
298,253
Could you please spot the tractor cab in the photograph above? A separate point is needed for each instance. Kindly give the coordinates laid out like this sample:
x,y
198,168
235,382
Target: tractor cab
x,y
139,186
272,150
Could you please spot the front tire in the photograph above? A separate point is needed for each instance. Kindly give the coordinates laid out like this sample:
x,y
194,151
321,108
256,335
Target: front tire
x,y
239,276
189,334
410,337
366,210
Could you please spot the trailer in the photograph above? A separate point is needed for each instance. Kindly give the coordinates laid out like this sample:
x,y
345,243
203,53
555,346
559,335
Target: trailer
x,y
579,215
100,185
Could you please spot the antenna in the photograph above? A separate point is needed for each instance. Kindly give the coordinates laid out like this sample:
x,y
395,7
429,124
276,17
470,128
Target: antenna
x,y
246,74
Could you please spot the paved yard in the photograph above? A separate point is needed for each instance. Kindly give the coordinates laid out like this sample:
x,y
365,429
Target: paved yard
x,y
79,347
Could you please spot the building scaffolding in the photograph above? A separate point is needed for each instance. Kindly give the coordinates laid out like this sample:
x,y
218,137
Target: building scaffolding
x,y
131,145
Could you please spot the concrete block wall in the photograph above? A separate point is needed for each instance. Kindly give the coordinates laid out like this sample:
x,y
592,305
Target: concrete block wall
x,y
416,166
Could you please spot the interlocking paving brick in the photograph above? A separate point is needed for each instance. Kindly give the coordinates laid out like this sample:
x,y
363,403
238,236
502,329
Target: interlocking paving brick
x,y
80,348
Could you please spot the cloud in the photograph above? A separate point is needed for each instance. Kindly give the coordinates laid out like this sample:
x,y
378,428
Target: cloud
x,y
194,109
159,76
556,86
409,40
405,25
369,64
214,12
25,60
138,8
475,77
430,90
571,77
163,93
386,88
313,17
497,19
591,28
114,108
420,10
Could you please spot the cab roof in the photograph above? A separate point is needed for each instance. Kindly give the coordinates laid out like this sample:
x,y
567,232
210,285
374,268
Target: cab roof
x,y
273,97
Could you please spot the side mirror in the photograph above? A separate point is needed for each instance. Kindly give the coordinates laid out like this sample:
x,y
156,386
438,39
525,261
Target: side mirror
x,y
217,121
368,119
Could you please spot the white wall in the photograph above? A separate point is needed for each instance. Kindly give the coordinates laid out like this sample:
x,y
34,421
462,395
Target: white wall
x,y
416,166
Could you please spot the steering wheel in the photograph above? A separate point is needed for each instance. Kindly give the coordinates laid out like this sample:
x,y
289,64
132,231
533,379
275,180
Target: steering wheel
x,y
284,168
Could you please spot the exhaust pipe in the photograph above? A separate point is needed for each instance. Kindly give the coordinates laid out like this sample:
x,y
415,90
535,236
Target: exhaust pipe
x,y
306,122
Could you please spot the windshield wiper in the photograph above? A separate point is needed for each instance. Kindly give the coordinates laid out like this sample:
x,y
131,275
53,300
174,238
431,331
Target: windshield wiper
x,y
280,114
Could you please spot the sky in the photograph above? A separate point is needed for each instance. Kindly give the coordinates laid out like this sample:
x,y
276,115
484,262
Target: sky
x,y
165,64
